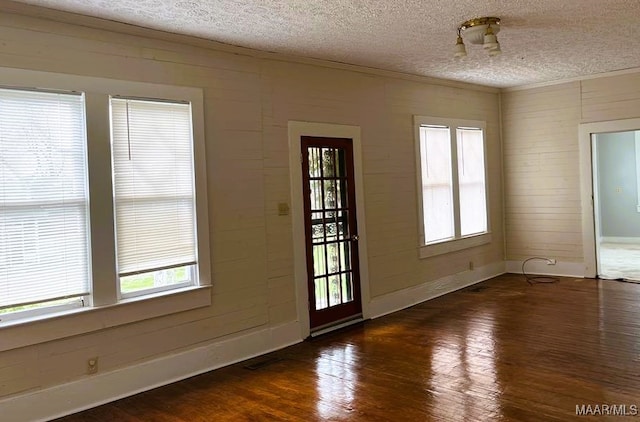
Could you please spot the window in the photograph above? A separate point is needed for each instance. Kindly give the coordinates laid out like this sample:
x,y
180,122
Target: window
x,y
471,181
153,185
453,197
43,199
102,201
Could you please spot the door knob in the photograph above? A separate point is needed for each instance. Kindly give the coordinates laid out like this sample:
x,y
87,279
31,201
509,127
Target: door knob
x,y
355,238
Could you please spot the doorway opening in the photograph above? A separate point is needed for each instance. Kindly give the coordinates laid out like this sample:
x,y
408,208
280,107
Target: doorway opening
x,y
616,203
610,198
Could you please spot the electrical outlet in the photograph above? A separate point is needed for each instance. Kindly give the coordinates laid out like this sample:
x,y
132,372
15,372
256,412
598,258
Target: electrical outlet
x,y
551,261
470,265
92,365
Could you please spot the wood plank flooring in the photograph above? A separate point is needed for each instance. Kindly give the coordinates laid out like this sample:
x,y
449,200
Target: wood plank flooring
x,y
502,350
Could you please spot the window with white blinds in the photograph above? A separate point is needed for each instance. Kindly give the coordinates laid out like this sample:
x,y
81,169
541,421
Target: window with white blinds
x,y
43,198
153,173
103,201
437,183
473,195
452,172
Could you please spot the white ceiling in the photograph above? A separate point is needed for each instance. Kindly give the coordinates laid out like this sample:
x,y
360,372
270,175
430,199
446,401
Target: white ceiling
x,y
541,40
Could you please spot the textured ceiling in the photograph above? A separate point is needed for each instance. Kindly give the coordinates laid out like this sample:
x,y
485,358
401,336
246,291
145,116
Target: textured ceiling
x,y
542,40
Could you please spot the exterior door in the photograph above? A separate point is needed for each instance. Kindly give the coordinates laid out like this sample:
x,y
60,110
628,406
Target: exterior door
x,y
331,235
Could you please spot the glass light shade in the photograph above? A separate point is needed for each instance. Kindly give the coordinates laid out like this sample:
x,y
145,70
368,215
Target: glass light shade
x,y
490,41
495,51
459,49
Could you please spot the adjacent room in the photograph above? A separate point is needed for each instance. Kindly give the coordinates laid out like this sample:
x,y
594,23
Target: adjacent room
x,y
294,210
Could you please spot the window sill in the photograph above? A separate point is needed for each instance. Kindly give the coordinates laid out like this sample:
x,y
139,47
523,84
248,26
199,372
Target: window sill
x,y
435,249
29,331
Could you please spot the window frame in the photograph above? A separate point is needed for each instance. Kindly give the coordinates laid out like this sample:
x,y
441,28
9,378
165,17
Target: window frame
x,y
105,308
458,242
637,151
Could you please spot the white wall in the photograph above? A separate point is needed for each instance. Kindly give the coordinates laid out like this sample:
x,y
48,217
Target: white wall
x,y
249,99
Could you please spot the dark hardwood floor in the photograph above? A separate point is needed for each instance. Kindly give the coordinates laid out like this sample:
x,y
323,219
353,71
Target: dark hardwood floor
x,y
500,350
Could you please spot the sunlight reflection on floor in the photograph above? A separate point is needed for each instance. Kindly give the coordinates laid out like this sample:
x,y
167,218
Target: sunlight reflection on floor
x,y
337,381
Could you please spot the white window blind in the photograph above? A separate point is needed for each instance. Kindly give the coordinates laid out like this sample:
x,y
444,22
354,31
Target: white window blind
x,y
153,184
473,199
43,197
437,184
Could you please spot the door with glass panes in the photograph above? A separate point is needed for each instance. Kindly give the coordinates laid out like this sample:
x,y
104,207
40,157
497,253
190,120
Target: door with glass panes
x,y
330,230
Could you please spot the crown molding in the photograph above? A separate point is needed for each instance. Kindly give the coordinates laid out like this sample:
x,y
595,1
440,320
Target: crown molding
x,y
610,74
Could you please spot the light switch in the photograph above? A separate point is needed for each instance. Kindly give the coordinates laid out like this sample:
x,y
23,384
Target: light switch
x,y
283,208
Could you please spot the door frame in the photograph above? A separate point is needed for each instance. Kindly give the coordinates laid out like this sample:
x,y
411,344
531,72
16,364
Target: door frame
x,y
296,130
589,233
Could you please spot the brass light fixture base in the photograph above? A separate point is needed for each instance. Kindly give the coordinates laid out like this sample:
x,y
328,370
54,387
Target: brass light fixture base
x,y
485,21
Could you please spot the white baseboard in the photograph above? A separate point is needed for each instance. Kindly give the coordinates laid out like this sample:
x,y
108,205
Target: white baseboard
x,y
402,299
628,240
564,269
91,391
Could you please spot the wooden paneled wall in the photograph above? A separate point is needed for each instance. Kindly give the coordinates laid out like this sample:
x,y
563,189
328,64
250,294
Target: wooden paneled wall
x,y
541,160
542,180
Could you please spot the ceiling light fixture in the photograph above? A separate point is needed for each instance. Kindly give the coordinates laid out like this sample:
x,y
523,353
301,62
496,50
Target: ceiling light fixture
x,y
480,31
